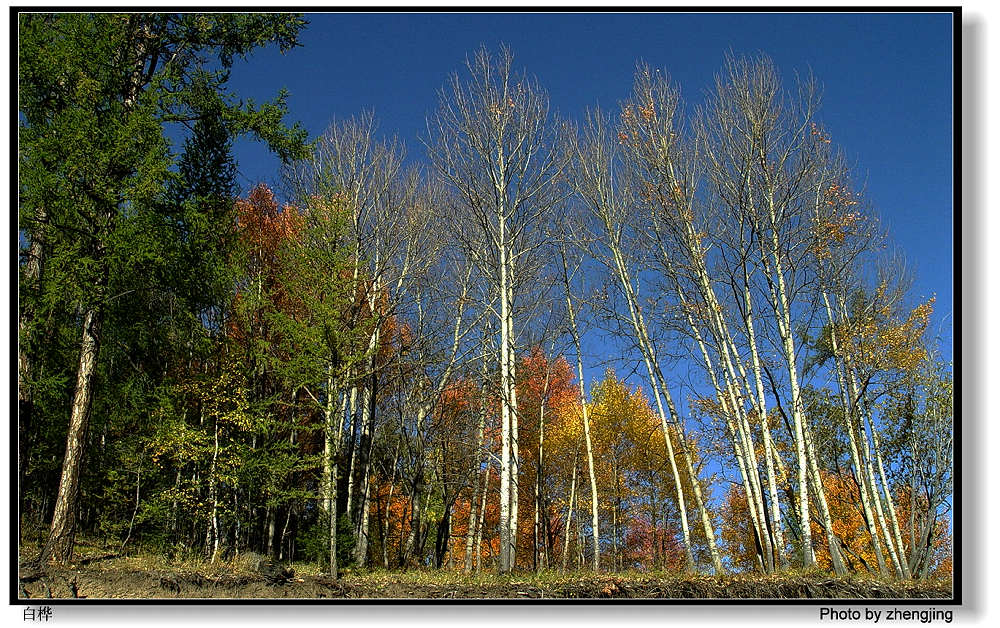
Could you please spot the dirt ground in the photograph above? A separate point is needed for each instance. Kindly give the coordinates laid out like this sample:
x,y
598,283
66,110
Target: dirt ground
x,y
122,583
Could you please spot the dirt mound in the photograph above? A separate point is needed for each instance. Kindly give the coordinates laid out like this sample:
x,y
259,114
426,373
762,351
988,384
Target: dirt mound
x,y
95,583
141,584
751,587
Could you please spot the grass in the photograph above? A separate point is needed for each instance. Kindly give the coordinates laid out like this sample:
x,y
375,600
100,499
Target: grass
x,y
104,557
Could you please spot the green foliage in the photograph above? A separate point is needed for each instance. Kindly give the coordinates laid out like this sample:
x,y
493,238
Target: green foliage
x,y
115,221
314,541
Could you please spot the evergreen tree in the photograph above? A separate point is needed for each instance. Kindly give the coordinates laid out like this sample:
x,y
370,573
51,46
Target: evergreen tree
x,y
96,172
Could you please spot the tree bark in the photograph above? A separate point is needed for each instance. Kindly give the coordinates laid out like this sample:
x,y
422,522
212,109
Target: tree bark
x,y
482,519
569,511
574,330
212,529
477,458
59,546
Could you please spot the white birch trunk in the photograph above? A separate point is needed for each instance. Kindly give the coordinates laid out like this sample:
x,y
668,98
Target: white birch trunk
x,y
847,408
569,512
586,419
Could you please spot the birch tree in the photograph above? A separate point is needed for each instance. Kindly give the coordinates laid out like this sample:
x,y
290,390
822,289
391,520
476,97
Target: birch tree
x,y
491,140
599,181
571,312
756,138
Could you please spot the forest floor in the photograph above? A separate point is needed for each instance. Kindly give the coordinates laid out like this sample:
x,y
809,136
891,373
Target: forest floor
x,y
101,576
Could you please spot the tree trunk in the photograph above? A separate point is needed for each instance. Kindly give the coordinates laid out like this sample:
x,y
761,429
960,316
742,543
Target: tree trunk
x,y
59,546
212,531
569,511
361,549
387,522
442,538
368,399
638,326
584,415
515,463
477,457
834,543
331,449
413,541
614,519
848,410
539,538
352,448
505,489
780,306
779,540
285,532
482,519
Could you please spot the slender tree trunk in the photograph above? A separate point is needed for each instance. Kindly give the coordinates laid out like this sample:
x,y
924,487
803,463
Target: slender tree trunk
x,y
352,447
515,461
506,562
482,519
817,479
285,532
387,524
672,460
174,530
638,326
413,541
739,444
448,542
569,511
470,534
615,507
783,318
59,546
270,530
580,561
865,449
736,384
477,457
442,538
887,492
848,411
725,346
368,399
539,538
423,531
361,549
331,450
212,532
769,451
583,414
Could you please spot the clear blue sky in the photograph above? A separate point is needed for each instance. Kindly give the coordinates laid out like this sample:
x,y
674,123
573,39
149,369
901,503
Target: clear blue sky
x,y
887,82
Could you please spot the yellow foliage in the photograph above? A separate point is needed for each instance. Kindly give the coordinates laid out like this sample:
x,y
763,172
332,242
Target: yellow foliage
x,y
880,340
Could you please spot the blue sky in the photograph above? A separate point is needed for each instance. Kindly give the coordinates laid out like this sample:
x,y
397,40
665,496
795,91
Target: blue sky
x,y
887,82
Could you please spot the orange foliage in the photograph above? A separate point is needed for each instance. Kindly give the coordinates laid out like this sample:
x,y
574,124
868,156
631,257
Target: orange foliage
x,y
643,541
264,228
844,500
736,530
544,382
837,223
